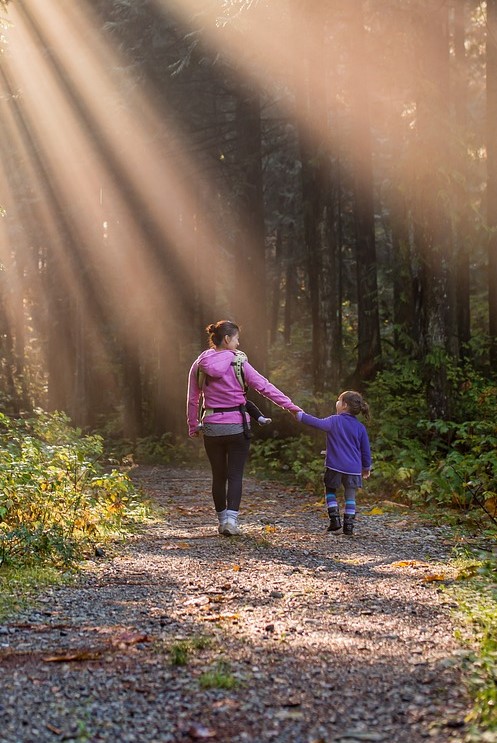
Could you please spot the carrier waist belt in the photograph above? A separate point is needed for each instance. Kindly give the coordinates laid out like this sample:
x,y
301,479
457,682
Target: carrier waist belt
x,y
240,408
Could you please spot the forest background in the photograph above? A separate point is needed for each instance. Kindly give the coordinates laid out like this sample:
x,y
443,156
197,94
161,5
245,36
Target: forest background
x,y
323,173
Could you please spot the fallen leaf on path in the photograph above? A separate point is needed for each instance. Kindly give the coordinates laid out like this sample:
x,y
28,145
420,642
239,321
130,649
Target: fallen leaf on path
x,y
409,564
219,617
376,511
53,729
433,577
76,655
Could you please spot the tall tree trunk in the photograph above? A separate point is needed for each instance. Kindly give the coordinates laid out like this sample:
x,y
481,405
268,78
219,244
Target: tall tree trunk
x,y
249,289
462,236
492,176
402,279
318,207
433,226
368,318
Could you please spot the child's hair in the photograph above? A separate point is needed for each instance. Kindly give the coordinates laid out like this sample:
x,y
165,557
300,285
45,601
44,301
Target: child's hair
x,y
218,330
355,403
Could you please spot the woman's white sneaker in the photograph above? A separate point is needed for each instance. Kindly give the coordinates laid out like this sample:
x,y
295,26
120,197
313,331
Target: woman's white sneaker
x,y
230,528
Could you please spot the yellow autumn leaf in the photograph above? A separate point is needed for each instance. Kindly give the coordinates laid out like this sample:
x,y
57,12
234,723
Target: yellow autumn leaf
x,y
376,511
269,529
408,564
236,568
434,577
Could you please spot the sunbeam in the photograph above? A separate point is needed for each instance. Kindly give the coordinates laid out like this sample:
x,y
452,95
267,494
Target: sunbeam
x,y
125,218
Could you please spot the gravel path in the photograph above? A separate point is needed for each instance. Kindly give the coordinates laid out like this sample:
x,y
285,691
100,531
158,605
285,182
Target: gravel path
x,y
285,634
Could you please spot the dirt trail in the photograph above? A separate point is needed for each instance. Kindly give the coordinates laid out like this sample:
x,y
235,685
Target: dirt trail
x,y
285,634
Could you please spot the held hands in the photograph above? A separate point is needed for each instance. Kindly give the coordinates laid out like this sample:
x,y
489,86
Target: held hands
x,y
296,411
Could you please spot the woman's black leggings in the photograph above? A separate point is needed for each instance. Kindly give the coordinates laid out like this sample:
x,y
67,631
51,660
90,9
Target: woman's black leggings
x,y
227,455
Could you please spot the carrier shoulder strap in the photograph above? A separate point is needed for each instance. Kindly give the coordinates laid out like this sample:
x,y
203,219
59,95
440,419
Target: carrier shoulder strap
x,y
201,377
237,364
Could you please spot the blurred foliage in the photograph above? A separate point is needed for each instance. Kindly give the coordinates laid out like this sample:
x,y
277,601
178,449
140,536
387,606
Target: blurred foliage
x,y
291,458
447,463
56,500
165,449
477,607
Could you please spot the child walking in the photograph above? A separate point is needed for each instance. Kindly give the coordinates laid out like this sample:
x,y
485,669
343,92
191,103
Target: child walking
x,y
348,455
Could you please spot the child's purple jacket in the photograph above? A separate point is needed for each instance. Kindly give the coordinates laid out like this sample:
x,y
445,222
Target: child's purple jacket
x,y
223,390
347,443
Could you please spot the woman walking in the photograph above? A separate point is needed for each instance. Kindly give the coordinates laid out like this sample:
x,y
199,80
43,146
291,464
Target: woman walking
x,y
222,375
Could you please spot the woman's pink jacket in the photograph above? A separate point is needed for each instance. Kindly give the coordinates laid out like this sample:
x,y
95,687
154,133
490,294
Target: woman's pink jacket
x,y
222,389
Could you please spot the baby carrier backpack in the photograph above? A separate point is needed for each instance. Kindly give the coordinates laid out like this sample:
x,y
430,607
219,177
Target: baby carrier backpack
x,y
203,381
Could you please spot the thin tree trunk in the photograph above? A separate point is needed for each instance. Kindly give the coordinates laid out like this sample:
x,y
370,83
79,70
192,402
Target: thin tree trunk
x,y
250,296
368,318
276,291
433,227
492,176
319,212
462,246
291,285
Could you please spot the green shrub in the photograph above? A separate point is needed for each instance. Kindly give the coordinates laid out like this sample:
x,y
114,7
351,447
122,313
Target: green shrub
x,y
431,461
297,459
477,602
55,498
164,449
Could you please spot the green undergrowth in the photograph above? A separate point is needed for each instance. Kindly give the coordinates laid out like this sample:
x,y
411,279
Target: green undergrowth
x,y
20,585
295,460
167,449
476,598
57,499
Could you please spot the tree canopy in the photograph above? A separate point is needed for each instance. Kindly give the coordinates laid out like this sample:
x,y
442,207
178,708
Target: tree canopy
x,y
323,173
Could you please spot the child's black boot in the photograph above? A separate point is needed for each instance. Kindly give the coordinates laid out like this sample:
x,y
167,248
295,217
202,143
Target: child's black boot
x,y
348,523
335,522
